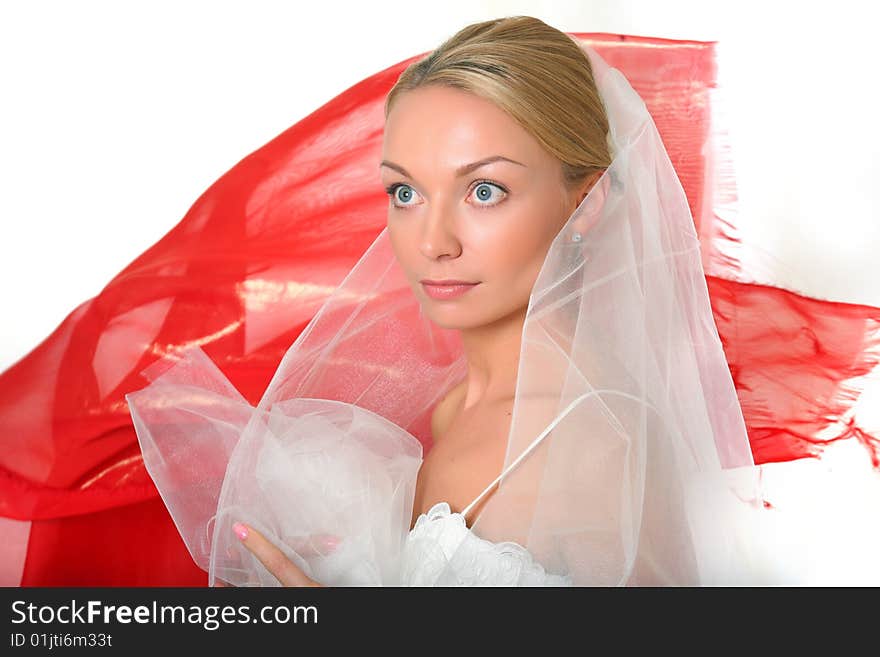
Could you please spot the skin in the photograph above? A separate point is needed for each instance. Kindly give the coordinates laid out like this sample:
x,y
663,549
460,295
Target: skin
x,y
448,226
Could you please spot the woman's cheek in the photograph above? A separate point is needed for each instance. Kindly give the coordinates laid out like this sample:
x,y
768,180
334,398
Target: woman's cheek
x,y
400,243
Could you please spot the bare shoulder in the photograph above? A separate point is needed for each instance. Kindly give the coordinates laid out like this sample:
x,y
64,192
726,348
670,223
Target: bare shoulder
x,y
444,411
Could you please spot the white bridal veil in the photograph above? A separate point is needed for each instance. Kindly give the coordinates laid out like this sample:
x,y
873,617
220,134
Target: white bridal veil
x,y
627,458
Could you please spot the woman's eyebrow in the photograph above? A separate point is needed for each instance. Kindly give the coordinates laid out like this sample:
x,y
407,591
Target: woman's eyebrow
x,y
460,171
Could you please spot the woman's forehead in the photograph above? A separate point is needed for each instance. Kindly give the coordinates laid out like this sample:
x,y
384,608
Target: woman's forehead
x,y
451,128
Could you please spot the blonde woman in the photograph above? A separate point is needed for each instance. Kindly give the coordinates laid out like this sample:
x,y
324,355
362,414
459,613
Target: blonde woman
x,y
537,294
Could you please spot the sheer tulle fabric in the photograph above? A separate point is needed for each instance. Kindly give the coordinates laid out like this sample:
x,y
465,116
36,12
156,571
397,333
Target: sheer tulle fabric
x,y
624,407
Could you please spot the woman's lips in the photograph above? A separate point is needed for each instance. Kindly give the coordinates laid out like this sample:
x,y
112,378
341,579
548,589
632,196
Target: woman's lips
x,y
441,292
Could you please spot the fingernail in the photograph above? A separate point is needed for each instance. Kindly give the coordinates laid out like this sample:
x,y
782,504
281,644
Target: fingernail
x,y
240,530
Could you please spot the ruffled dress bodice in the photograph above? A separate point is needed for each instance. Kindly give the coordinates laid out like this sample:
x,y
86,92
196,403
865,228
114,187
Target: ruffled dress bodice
x,y
441,550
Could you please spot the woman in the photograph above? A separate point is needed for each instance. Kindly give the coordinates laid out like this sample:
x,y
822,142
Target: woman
x,y
537,298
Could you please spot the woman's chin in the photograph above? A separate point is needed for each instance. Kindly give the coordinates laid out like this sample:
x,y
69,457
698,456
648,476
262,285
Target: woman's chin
x,y
463,319
451,318
445,322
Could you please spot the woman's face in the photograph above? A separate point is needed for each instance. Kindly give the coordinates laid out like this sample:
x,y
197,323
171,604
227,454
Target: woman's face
x,y
490,224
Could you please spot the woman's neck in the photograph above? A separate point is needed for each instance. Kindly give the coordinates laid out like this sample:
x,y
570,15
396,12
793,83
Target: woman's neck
x,y
492,354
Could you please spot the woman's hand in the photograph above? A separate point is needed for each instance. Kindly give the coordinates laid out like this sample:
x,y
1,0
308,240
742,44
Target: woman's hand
x,y
273,559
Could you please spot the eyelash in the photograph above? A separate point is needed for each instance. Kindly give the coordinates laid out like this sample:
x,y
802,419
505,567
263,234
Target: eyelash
x,y
393,188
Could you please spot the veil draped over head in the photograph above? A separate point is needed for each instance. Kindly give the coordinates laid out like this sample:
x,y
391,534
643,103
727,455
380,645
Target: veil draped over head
x,y
627,458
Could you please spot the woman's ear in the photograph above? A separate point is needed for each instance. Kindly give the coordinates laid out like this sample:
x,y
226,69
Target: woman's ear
x,y
596,186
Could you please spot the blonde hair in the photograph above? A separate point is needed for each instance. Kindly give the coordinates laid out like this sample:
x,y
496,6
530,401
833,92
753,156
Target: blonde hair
x,y
537,74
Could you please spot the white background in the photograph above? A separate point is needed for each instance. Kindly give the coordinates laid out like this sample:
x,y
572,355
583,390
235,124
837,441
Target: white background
x,y
116,116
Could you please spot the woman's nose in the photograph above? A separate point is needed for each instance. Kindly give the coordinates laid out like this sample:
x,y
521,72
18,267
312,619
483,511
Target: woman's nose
x,y
439,236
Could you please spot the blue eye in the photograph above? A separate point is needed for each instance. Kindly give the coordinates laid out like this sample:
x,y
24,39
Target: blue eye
x,y
483,191
407,195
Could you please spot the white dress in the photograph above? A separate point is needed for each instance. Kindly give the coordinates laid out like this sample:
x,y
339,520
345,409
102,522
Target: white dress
x,y
441,550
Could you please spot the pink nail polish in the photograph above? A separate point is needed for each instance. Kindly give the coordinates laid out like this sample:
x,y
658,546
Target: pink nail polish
x,y
331,542
240,530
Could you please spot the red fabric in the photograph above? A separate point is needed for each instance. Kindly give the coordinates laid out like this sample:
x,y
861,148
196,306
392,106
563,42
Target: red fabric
x,y
793,361
130,545
257,254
